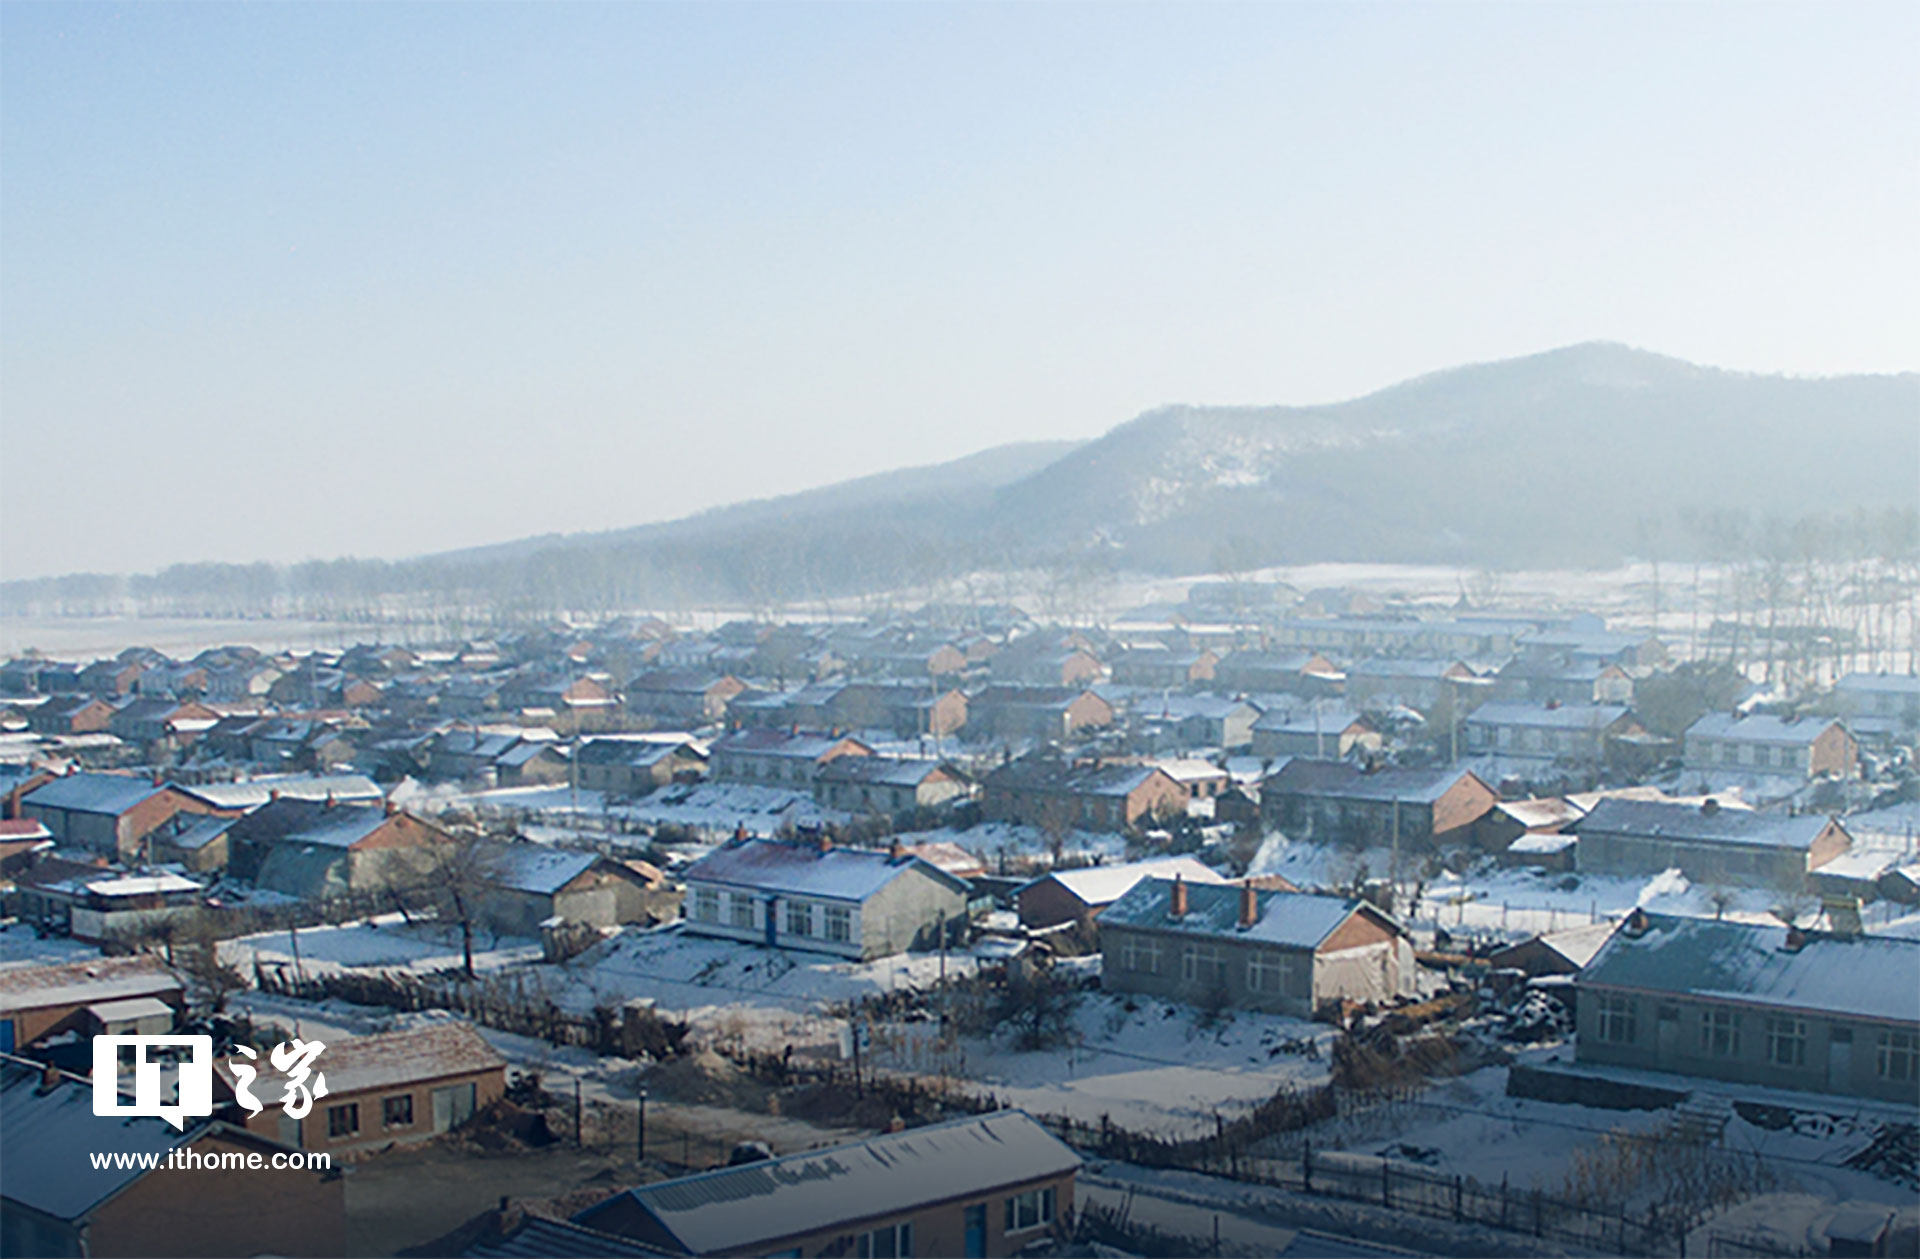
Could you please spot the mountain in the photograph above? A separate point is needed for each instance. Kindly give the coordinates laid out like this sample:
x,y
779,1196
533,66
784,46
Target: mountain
x,y
1563,458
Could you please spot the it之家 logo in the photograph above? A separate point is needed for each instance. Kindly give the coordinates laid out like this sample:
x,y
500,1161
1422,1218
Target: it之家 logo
x,y
189,1059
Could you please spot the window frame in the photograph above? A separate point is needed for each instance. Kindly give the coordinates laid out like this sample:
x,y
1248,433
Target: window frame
x,y
836,924
1720,1033
1043,1201
1786,1031
1897,1056
350,1112
386,1111
1616,1019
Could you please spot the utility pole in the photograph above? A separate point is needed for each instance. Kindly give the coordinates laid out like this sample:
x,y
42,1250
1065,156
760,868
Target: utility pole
x,y
640,1143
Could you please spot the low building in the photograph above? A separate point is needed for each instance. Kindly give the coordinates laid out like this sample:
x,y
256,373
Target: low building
x,y
779,758
889,785
1279,673
1179,722
1421,684
1326,729
681,698
1039,713
56,1200
1889,696
1052,794
633,765
1248,948
320,850
1756,1004
1343,803
105,908
41,1001
1574,734
990,1184
854,902
1072,895
1151,664
1707,843
1805,748
106,813
1554,952
390,1089
529,884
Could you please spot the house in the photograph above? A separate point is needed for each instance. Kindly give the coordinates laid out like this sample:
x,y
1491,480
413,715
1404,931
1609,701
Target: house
x,y
1569,734
779,757
41,1001
55,1200
1545,680
1045,791
1154,665
1173,722
991,1184
1047,660
1040,713
169,721
1266,672
390,1089
1755,1004
111,679
1248,948
889,785
1073,895
1333,800
950,857
1321,728
106,813
1545,824
1573,645
1803,748
195,841
1420,684
529,884
1554,952
1707,843
319,850
1889,696
681,697
633,765
466,754
855,902
71,714
100,907
907,709
22,841
532,763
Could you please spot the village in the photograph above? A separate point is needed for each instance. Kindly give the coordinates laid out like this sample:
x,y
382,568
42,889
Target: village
x,y
1266,920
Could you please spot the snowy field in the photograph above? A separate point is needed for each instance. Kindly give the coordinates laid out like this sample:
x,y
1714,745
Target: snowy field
x,y
20,946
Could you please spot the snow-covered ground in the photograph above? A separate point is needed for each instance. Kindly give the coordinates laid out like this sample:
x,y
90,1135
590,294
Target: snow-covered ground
x,y
21,946
1152,1069
386,942
714,808
995,843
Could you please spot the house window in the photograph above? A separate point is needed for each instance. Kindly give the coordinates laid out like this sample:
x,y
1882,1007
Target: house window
x,y
839,924
1899,1056
1140,953
1787,1042
706,904
1720,1033
1202,965
895,1241
1031,1209
799,918
397,1111
1616,1020
1266,971
343,1121
740,910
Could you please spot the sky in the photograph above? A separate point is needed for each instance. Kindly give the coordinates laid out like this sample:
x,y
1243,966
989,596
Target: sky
x,y
293,281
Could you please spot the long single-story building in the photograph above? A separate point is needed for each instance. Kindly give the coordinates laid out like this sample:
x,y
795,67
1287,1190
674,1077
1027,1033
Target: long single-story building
x,y
1757,1004
1705,842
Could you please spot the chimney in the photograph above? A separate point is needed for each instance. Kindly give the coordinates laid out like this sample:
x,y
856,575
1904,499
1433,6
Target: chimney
x,y
825,843
156,777
330,800
1636,924
896,851
392,808
273,793
49,1078
13,801
1249,904
740,833
1709,807
1178,909
1795,941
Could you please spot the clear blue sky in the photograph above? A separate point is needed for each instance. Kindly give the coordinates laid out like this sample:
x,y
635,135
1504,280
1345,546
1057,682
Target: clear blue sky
x,y
300,280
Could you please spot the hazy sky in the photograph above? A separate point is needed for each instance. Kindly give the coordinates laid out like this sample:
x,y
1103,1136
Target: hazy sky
x,y
300,280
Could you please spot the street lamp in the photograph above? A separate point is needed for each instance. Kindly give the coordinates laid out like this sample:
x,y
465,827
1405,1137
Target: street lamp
x,y
641,1143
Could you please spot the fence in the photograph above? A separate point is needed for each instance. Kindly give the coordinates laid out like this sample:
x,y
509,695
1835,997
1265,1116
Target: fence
x,y
1394,1185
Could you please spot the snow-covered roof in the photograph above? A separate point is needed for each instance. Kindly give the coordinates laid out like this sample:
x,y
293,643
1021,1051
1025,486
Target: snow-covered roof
x,y
142,885
735,1209
130,1008
1540,716
1310,719
47,1135
848,874
1298,920
194,831
112,794
1542,843
1579,944
1663,820
358,1064
1866,976
762,741
1885,683
1539,814
1190,769
883,770
1103,885
257,791
1341,780
84,982
536,868
1761,728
